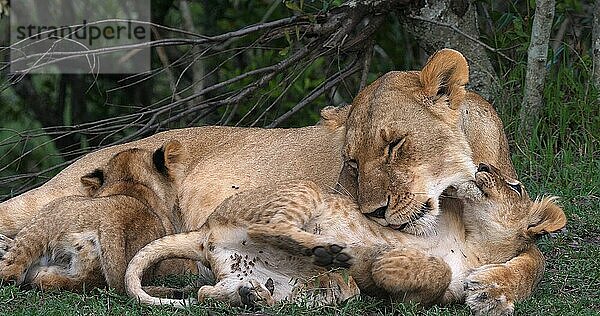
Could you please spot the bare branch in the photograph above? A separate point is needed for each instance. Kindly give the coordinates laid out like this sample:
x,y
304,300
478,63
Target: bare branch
x,y
459,31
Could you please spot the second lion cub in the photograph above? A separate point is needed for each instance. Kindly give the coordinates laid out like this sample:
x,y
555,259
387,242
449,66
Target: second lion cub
x,y
88,240
257,244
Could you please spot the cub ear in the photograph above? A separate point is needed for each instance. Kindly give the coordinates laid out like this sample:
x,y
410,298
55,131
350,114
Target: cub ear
x,y
446,74
92,181
169,158
334,117
347,183
546,217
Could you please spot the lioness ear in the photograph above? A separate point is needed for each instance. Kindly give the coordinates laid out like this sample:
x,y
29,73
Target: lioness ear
x,y
446,74
169,158
92,181
546,217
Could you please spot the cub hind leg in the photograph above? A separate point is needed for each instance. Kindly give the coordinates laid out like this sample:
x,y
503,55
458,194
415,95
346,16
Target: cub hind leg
x,y
324,251
26,249
283,224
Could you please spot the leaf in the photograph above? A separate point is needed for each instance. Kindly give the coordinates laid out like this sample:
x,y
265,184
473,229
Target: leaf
x,y
292,5
345,276
284,51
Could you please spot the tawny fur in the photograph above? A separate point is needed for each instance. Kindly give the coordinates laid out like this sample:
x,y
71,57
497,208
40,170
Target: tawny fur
x,y
495,225
86,241
438,140
226,160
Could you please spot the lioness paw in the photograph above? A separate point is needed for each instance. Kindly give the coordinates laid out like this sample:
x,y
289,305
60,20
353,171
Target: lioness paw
x,y
486,294
331,256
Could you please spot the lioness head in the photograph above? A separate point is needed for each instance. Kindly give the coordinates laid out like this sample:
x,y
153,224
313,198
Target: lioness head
x,y
158,170
404,146
500,215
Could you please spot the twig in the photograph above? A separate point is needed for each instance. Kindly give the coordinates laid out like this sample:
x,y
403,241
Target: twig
x,y
459,31
366,66
315,93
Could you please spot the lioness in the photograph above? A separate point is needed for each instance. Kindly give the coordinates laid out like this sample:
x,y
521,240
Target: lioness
x,y
404,139
498,221
79,241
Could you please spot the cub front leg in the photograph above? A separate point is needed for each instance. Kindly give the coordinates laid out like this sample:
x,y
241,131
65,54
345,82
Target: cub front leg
x,y
411,275
493,289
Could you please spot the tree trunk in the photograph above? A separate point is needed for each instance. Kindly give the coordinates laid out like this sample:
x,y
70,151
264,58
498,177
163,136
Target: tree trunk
x,y
198,64
537,56
596,44
434,25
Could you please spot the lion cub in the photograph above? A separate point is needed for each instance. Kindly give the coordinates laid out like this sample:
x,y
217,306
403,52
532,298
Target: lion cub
x,y
89,240
257,244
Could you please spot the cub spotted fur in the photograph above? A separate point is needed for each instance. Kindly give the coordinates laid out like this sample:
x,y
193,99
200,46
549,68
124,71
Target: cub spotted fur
x,y
498,221
89,240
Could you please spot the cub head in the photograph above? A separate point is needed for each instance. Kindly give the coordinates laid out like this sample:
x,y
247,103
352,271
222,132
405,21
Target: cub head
x,y
404,145
499,214
159,171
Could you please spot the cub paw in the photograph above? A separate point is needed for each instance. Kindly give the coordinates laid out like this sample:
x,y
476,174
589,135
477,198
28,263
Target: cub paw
x,y
332,256
5,244
253,294
469,191
486,293
331,288
9,271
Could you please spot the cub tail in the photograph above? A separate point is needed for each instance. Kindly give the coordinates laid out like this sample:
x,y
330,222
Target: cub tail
x,y
184,245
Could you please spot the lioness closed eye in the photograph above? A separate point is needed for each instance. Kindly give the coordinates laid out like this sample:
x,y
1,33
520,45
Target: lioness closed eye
x,y
267,234
81,240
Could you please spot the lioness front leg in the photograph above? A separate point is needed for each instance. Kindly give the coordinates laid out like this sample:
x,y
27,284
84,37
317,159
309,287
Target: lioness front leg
x,y
412,275
492,289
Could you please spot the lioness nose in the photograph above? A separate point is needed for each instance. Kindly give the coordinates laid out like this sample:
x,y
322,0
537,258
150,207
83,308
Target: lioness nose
x,y
483,168
379,213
